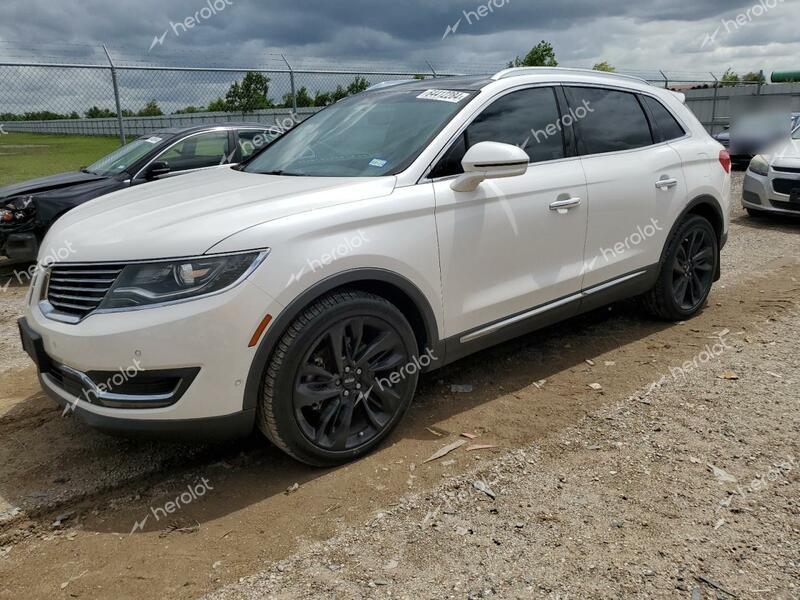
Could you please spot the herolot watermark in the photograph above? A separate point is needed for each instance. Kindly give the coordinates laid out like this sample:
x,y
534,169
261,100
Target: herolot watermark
x,y
635,239
262,139
124,375
556,128
212,8
744,18
415,366
758,484
192,493
347,247
27,276
705,356
473,16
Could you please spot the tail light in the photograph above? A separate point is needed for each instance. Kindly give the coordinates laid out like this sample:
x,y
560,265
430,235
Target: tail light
x,y
725,160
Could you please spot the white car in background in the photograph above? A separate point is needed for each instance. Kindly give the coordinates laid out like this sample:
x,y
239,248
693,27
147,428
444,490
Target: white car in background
x,y
772,181
394,232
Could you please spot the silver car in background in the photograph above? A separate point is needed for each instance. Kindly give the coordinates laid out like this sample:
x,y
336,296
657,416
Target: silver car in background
x,y
772,181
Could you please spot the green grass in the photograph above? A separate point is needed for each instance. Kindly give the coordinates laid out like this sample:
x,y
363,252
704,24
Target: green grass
x,y
28,155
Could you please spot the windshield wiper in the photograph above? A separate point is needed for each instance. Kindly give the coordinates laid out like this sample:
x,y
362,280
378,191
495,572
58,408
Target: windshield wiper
x,y
282,173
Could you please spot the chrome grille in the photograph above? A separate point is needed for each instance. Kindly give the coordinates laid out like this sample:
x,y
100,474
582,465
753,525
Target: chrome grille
x,y
79,289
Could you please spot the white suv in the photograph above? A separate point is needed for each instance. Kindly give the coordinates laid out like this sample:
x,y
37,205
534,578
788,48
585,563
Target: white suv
x,y
390,234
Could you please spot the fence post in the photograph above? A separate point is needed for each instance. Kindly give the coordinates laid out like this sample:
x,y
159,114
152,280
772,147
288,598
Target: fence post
x,y
116,96
760,81
432,69
291,82
666,81
714,106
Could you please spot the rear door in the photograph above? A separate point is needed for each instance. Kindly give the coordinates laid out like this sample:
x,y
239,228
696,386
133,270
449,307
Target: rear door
x,y
635,181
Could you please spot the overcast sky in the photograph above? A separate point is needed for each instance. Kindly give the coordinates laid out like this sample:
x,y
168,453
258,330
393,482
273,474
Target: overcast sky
x,y
655,34
685,38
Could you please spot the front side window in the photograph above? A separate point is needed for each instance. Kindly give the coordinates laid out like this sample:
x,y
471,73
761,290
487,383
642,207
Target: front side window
x,y
613,121
197,152
528,118
666,127
368,135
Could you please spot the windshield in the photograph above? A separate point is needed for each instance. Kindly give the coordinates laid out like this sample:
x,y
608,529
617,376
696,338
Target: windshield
x,y
122,158
369,135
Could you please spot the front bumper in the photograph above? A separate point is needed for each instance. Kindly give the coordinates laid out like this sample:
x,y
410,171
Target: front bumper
x,y
210,429
22,247
759,193
208,337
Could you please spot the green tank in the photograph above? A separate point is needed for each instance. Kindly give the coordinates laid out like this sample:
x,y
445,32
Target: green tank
x,y
785,76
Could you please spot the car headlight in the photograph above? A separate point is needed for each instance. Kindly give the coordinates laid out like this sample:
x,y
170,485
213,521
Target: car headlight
x,y
759,165
17,209
23,203
147,284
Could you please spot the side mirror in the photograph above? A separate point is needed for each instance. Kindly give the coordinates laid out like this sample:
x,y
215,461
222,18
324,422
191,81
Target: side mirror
x,y
490,160
157,169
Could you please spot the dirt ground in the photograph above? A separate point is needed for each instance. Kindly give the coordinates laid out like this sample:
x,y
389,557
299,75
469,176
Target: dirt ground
x,y
677,479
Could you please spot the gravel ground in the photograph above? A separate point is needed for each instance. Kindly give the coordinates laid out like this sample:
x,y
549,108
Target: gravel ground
x,y
599,493
689,488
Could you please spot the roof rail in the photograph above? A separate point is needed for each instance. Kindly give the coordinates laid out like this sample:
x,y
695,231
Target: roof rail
x,y
517,71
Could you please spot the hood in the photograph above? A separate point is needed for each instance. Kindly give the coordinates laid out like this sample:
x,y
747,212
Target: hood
x,y
187,215
44,184
785,155
55,195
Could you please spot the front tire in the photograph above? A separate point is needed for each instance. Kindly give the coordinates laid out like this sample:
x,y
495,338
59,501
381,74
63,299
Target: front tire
x,y
327,395
687,272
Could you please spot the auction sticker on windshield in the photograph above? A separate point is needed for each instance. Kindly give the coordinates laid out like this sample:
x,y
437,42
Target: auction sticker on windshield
x,y
443,96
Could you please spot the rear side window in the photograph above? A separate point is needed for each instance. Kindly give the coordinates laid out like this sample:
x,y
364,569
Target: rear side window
x,y
665,127
611,121
528,118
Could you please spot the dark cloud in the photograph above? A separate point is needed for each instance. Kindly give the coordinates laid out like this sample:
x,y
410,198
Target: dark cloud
x,y
658,33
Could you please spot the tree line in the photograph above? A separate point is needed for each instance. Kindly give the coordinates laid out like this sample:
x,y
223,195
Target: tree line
x,y
245,96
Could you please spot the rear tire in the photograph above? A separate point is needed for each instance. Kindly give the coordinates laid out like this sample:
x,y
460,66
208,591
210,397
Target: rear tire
x,y
687,272
326,397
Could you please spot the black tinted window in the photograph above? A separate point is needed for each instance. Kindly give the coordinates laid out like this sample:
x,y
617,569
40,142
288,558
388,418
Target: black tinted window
x,y
528,119
665,126
610,121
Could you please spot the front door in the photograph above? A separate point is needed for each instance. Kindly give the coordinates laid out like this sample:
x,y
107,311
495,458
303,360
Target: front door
x,y
513,244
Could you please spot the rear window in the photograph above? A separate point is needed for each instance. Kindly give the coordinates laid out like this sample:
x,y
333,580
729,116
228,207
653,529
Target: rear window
x,y
611,121
665,126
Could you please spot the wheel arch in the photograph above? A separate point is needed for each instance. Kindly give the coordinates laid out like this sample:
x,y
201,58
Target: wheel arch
x,y
709,208
395,288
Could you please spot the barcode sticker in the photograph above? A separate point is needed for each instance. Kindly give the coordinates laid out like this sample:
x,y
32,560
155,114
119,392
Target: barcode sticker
x,y
443,96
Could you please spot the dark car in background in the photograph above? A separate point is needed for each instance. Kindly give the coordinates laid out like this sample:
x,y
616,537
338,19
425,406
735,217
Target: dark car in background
x,y
752,134
28,209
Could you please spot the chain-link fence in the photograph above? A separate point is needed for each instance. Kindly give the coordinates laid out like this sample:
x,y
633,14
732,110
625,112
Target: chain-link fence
x,y
101,95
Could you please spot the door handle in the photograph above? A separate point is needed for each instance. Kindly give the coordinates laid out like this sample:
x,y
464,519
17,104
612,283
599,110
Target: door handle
x,y
666,184
562,206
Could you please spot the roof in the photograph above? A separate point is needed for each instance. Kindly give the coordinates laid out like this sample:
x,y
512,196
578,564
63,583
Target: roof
x,y
440,83
478,83
207,126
